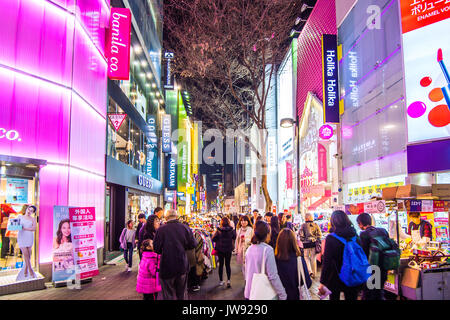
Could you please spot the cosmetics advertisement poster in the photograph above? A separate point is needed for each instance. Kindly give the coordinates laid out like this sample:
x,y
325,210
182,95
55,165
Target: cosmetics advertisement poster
x,y
82,224
62,249
426,50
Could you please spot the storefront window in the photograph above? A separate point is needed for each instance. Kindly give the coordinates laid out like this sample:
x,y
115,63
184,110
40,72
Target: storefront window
x,y
140,202
16,193
128,144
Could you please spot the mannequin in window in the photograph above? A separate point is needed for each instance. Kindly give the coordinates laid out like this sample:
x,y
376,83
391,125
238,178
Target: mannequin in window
x,y
25,239
420,230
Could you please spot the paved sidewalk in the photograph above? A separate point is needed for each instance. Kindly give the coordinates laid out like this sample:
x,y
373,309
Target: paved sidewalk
x,y
113,283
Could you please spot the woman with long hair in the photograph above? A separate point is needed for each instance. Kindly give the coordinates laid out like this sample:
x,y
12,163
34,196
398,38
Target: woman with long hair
x,y
333,257
224,238
243,240
149,229
254,260
274,229
63,236
128,243
286,255
25,239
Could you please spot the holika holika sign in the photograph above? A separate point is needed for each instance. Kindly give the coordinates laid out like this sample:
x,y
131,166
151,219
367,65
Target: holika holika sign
x,y
330,79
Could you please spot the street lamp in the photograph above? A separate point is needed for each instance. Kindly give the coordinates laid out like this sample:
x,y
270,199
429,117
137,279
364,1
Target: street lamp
x,y
304,7
287,122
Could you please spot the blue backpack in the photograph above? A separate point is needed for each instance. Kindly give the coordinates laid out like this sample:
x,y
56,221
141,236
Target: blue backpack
x,y
354,271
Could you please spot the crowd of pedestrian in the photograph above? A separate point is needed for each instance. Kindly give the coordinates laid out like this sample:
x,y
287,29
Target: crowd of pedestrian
x,y
268,249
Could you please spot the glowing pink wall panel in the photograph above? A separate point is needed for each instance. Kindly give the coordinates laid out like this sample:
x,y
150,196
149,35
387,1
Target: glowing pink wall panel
x,y
39,42
87,125
309,65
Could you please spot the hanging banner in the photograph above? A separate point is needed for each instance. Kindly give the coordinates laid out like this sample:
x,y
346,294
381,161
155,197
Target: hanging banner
x,y
171,172
169,78
16,190
117,119
118,44
152,152
322,163
62,252
166,132
82,225
288,175
330,78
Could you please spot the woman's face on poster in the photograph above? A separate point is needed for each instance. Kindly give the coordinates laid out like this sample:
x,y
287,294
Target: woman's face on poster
x,y
65,229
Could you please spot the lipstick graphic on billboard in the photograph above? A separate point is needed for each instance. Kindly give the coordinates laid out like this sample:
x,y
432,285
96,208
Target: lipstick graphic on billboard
x,y
118,44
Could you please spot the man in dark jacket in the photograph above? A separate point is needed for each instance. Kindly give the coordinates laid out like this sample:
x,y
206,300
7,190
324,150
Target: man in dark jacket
x,y
369,232
171,241
141,219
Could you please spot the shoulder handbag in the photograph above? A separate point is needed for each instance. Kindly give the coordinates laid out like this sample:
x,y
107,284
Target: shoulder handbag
x,y
303,289
261,287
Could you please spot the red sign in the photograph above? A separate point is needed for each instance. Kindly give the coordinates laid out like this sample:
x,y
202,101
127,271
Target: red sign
x,y
288,175
117,119
322,165
83,230
118,44
441,206
420,13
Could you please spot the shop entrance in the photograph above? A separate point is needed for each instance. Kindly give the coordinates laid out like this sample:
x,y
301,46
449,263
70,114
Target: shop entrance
x,y
140,202
19,188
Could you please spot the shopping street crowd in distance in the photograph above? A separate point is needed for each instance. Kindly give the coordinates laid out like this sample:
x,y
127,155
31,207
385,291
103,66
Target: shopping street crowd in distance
x,y
269,249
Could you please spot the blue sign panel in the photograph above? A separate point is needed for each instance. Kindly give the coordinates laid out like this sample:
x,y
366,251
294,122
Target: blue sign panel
x,y
330,79
171,172
152,152
166,132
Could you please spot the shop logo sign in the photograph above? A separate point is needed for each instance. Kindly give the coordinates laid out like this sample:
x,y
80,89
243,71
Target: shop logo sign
x,y
145,182
117,119
326,132
166,131
118,44
11,135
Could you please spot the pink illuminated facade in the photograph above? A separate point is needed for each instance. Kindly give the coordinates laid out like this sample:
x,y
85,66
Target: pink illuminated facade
x,y
58,110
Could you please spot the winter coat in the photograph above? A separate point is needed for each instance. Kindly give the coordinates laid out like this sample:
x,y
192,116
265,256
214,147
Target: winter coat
x,y
123,240
171,241
332,259
288,272
224,239
199,256
242,245
148,275
309,233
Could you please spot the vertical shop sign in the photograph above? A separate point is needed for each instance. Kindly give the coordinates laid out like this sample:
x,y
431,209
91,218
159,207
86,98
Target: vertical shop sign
x,y
166,132
118,44
168,56
171,172
330,79
322,163
288,175
416,206
83,228
152,152
425,26
248,170
62,253
117,119
16,190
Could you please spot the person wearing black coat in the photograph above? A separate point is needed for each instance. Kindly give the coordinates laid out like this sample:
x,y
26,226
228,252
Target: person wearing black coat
x,y
286,255
333,258
171,241
274,231
224,239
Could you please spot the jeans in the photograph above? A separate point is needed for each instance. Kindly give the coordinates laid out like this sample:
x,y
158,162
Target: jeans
x,y
128,254
151,296
224,257
311,262
5,244
174,288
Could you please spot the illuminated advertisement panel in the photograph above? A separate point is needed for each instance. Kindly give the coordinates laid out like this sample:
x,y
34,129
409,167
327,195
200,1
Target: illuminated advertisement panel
x,y
426,50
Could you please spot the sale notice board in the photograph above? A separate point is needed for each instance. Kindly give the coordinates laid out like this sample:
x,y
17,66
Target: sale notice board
x,y
82,225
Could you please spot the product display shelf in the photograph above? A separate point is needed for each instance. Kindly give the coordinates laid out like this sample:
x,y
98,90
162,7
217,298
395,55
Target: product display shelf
x,y
9,285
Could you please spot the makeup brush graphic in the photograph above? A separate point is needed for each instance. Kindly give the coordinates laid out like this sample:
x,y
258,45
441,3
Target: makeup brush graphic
x,y
445,90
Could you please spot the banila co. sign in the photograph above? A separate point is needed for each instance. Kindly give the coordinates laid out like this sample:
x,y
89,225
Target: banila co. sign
x,y
145,182
118,44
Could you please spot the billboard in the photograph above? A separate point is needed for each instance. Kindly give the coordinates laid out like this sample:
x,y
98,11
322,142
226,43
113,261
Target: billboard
x,y
426,51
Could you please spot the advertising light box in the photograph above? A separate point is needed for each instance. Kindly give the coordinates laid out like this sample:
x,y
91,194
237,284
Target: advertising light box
x,y
426,50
